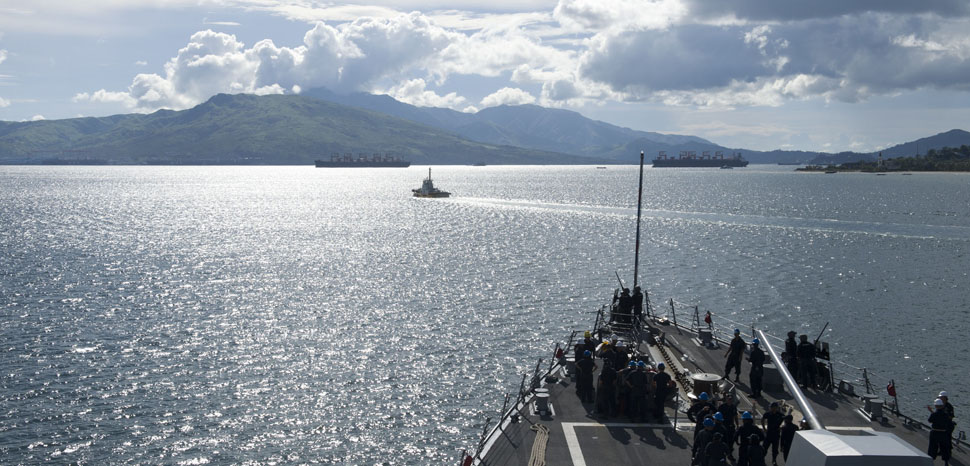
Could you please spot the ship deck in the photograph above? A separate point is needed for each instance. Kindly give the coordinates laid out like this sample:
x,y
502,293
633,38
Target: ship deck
x,y
578,436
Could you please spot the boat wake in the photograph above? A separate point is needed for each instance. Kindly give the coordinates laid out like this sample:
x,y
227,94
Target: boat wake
x,y
897,230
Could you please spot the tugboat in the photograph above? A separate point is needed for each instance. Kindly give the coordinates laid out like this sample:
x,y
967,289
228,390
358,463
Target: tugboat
x,y
552,417
427,189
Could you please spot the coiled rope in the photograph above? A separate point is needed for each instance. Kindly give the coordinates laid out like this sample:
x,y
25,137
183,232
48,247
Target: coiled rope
x,y
538,457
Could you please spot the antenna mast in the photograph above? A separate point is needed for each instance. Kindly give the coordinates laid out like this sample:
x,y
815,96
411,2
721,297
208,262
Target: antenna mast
x,y
636,257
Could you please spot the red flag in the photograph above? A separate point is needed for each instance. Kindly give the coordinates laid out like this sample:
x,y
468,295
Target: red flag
x,y
891,388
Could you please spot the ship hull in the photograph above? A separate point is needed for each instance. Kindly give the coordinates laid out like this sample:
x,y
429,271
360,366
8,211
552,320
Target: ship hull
x,y
394,164
709,163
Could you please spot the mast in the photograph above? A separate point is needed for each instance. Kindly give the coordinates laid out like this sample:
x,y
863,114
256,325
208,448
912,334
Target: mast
x,y
636,257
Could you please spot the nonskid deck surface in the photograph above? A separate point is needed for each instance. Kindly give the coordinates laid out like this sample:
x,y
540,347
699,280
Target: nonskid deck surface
x,y
578,436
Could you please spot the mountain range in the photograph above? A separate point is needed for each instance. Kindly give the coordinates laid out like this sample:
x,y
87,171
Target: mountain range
x,y
296,129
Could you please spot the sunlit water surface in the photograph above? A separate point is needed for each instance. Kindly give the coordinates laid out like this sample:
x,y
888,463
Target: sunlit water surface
x,y
189,315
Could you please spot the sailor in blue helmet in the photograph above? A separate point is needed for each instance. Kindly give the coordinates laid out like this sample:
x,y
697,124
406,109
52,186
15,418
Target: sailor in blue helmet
x,y
743,437
734,354
585,367
702,438
699,411
637,383
662,384
719,426
757,360
940,440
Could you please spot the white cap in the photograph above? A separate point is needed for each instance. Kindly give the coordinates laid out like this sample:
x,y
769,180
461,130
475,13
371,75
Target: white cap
x,y
943,394
938,402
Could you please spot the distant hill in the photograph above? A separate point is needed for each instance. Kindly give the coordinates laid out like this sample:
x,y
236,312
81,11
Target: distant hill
x,y
529,126
248,129
952,138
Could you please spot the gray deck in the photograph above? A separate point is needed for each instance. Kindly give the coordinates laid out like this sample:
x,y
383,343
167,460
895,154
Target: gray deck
x,y
578,437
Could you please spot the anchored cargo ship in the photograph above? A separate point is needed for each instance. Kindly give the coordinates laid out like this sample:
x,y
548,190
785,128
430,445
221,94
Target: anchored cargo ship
x,y
557,416
690,159
363,161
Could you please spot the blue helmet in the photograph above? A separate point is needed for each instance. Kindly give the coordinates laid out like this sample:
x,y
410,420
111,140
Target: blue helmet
x,y
746,415
708,422
661,366
703,396
718,417
737,331
755,341
587,353
642,364
632,364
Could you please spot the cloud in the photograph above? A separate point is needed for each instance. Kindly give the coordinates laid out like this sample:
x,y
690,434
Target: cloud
x,y
3,55
772,10
587,15
4,102
846,59
206,22
508,96
37,118
141,63
351,57
414,92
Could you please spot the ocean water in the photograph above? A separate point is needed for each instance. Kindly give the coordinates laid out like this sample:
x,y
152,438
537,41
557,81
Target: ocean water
x,y
260,315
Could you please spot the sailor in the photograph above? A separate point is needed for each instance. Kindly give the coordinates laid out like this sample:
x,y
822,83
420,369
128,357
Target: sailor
x,y
584,377
624,308
948,409
744,436
623,388
699,411
771,423
589,342
729,411
720,427
806,362
662,383
702,439
756,452
791,360
940,441
606,391
757,359
716,452
734,354
787,435
637,306
637,382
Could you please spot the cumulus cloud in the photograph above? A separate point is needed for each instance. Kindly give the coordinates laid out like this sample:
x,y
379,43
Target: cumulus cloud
x,y
345,58
508,96
37,118
414,92
3,55
4,102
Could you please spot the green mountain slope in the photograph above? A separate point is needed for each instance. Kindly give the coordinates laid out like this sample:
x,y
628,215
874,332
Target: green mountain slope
x,y
241,128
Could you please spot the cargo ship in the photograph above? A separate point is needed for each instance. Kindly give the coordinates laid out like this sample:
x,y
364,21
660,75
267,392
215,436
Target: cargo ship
x,y
363,161
690,159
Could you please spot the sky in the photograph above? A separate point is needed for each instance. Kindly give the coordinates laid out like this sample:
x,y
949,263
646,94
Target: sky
x,y
821,75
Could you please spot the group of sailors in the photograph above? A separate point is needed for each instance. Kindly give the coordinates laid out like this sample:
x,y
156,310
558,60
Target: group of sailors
x,y
628,308
799,358
716,433
627,385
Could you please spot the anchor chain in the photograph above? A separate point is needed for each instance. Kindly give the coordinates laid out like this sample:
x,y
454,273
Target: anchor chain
x,y
679,376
